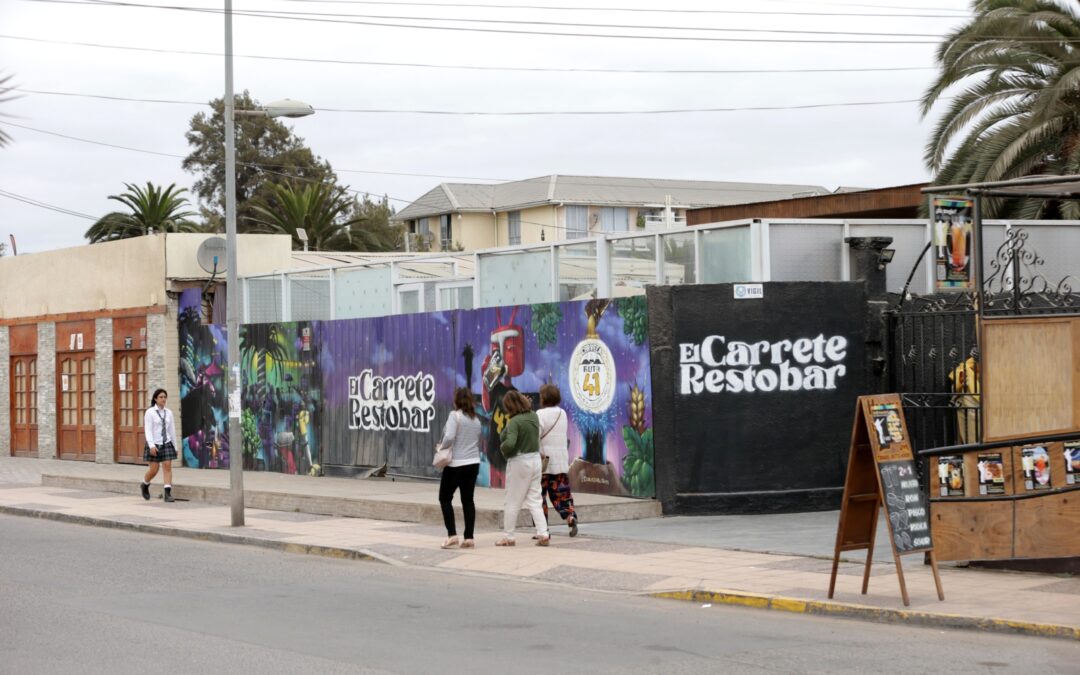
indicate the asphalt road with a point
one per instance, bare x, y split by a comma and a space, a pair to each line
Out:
77, 599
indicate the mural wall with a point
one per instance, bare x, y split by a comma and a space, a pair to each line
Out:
204, 429
335, 396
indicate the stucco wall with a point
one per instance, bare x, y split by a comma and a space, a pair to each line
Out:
475, 231
256, 254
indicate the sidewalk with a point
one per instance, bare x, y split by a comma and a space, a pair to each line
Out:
999, 601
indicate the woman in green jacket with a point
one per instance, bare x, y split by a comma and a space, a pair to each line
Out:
520, 445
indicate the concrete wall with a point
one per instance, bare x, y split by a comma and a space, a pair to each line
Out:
46, 394
5, 392
256, 254
104, 428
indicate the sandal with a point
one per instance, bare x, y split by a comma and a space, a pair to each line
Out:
543, 541
451, 542
505, 542
468, 543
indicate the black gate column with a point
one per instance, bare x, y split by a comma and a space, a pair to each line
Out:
868, 264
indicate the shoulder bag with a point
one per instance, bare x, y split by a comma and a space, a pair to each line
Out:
443, 456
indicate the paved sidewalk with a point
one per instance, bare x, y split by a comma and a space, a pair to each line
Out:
1001, 601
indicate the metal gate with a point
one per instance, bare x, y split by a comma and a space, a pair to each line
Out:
934, 362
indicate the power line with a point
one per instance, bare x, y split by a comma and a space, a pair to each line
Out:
44, 205
561, 24
649, 10
503, 113
402, 64
504, 31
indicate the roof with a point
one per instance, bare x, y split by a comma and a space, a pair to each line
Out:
1048, 187
594, 191
901, 201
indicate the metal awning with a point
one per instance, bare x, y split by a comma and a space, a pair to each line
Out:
1044, 187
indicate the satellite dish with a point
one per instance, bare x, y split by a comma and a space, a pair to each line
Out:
211, 255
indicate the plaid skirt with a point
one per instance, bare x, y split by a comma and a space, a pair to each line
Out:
165, 453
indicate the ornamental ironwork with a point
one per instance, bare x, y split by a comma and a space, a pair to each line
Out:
1016, 284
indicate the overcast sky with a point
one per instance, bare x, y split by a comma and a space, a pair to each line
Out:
867, 146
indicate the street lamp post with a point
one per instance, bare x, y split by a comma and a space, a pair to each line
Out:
284, 108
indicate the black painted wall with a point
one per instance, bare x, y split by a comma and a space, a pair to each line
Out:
751, 440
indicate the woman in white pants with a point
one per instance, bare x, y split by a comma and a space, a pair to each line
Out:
520, 445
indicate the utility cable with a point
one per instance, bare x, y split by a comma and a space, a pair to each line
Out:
404, 64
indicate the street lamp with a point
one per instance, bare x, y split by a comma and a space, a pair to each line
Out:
283, 108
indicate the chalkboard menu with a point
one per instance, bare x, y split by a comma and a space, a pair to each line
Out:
905, 502
881, 473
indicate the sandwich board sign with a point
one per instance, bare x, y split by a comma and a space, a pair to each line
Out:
881, 472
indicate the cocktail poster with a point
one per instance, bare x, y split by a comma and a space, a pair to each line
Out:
991, 474
1035, 461
1072, 462
951, 476
952, 221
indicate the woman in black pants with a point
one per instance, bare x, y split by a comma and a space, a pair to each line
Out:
462, 435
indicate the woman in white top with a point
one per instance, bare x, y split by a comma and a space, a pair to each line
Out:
462, 435
554, 482
159, 426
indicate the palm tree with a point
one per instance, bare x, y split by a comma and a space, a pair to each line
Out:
153, 209
319, 208
1017, 112
4, 98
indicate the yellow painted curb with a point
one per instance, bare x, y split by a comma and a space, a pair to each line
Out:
876, 614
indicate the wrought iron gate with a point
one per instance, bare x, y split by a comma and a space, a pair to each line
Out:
934, 361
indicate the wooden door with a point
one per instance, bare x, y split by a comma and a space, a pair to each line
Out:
24, 433
75, 405
130, 400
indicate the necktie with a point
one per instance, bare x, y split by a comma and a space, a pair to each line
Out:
164, 438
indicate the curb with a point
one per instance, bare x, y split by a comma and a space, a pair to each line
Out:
876, 614
215, 537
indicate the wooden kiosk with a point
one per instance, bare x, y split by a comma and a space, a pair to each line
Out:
881, 472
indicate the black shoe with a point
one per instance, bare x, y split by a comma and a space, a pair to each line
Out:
573, 527
145, 491
168, 495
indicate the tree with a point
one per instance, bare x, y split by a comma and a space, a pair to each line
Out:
320, 208
153, 209
5, 96
371, 229
267, 154
1017, 112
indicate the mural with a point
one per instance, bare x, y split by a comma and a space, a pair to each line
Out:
332, 396
203, 357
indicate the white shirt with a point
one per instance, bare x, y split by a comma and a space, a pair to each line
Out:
553, 430
462, 434
152, 423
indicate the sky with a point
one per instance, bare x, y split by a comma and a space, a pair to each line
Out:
742, 126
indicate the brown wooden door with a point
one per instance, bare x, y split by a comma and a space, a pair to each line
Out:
24, 433
75, 406
130, 400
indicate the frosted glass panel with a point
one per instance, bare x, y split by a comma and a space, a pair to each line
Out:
515, 278
362, 292
678, 259
909, 241
577, 270
309, 298
725, 256
633, 263
806, 252
265, 302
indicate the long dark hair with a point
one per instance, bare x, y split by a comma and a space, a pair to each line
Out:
153, 399
463, 401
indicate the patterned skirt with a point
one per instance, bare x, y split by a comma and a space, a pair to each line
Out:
165, 453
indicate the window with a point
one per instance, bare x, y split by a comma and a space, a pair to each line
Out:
514, 227
614, 219
422, 226
446, 233
577, 222
455, 297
